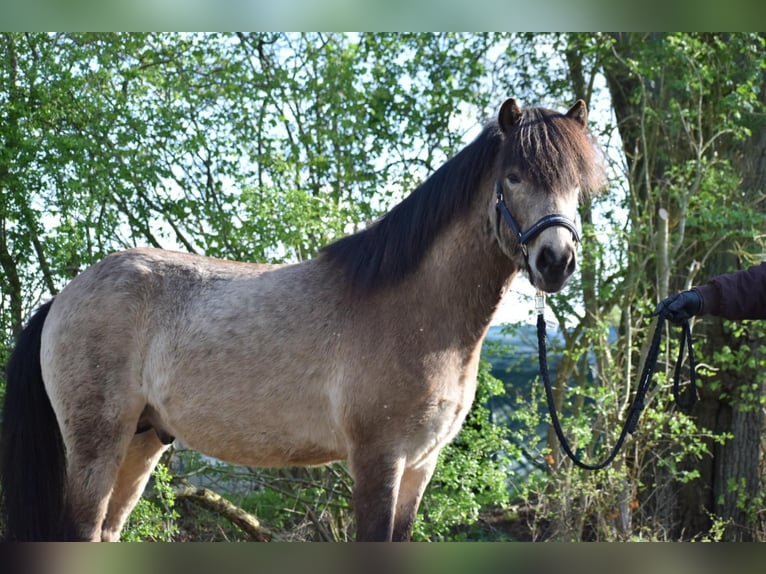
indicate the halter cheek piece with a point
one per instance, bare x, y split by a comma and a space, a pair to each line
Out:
551, 220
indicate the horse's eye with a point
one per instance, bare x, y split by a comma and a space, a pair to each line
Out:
513, 179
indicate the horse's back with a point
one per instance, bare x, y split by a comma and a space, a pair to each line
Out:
128, 295
135, 280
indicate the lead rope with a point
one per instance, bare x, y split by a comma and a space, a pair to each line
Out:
634, 412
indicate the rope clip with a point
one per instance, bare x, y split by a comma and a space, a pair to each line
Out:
540, 302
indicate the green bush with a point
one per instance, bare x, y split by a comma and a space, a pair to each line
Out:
154, 517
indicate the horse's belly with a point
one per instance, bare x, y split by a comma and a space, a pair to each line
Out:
255, 411
272, 443
270, 457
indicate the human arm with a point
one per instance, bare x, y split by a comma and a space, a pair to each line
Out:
739, 295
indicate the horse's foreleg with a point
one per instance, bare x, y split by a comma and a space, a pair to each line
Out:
413, 485
144, 452
376, 487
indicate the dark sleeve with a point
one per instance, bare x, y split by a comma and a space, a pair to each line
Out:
739, 295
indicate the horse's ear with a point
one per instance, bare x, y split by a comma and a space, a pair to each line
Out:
509, 116
579, 113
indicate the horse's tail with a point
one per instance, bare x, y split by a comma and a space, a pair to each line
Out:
32, 456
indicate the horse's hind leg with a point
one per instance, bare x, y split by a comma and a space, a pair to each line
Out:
95, 453
143, 453
92, 466
413, 485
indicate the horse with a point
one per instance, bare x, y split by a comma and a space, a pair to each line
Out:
368, 352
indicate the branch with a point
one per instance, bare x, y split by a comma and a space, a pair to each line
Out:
214, 502
39, 250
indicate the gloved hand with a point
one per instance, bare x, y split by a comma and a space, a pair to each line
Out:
680, 307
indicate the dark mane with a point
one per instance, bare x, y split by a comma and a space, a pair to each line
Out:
392, 247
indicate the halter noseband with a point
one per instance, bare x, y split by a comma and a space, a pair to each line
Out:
543, 223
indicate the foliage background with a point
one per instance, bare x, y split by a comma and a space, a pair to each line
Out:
265, 146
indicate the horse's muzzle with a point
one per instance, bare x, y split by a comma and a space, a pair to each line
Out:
553, 268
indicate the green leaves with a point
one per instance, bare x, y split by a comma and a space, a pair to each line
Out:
154, 517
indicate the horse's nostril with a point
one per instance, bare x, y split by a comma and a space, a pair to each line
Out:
552, 264
546, 261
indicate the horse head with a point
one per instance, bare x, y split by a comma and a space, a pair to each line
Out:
546, 161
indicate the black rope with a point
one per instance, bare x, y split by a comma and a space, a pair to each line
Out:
634, 412
686, 339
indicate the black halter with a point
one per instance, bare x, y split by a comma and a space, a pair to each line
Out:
525, 237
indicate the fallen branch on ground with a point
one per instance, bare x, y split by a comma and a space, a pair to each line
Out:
214, 502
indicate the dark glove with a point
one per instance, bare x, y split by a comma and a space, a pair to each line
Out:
680, 307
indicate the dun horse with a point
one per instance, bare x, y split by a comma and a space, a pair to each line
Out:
368, 352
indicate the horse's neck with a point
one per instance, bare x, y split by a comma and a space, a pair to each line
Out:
462, 280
